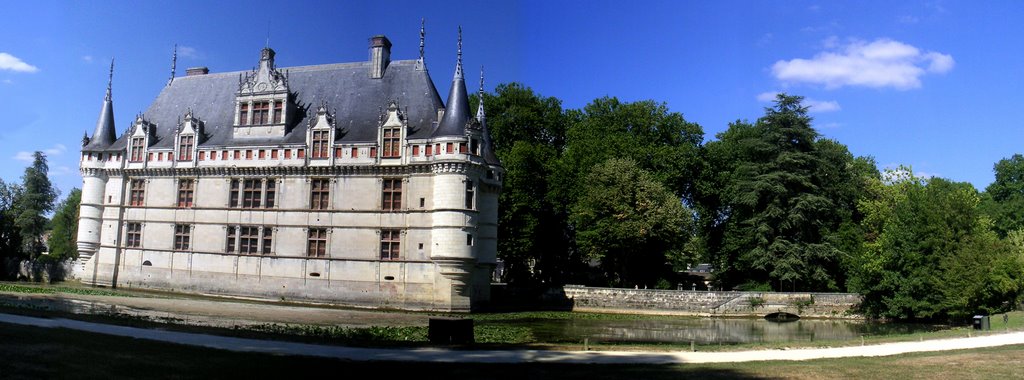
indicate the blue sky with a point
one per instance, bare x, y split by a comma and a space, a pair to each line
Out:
935, 85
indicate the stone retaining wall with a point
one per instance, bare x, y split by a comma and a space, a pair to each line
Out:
711, 303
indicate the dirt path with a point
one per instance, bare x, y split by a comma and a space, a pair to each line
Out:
513, 356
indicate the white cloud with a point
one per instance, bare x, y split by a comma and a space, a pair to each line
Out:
822, 105
24, 156
832, 125
56, 150
7, 81
813, 105
61, 170
10, 62
940, 63
28, 156
767, 96
878, 64
87, 58
188, 52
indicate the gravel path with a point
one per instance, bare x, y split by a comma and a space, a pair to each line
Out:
513, 356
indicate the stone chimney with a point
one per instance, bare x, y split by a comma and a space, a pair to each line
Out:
380, 56
196, 71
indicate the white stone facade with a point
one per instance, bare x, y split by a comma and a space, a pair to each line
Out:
170, 219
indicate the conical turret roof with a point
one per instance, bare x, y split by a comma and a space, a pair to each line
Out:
105, 133
456, 111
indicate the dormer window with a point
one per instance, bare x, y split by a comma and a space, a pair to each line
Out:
262, 100
278, 112
138, 145
392, 142
320, 144
190, 134
392, 125
320, 134
243, 114
260, 113
185, 145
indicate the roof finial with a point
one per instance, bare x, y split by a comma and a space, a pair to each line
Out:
458, 64
174, 64
423, 35
480, 98
110, 79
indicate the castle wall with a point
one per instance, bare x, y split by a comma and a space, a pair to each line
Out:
365, 283
711, 303
429, 249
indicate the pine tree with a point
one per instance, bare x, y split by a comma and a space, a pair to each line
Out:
35, 200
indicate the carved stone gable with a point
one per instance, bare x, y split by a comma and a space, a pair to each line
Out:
264, 79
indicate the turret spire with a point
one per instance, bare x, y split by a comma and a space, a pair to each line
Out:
480, 97
110, 80
456, 112
458, 62
105, 133
423, 35
174, 64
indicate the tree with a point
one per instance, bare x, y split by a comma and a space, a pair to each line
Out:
64, 228
929, 253
1003, 200
528, 133
35, 200
659, 141
772, 199
10, 237
629, 221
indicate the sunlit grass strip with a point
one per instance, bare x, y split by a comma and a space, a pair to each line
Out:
47, 289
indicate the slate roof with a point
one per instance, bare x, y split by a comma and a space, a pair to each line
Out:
347, 88
105, 133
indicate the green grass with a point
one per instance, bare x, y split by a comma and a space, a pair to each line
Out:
54, 289
34, 353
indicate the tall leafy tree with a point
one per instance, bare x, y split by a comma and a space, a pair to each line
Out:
36, 199
64, 228
772, 198
528, 133
629, 222
660, 142
10, 237
1003, 200
929, 253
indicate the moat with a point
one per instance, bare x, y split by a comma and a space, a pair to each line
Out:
711, 330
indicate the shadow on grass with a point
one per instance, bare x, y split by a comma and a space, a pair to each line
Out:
37, 352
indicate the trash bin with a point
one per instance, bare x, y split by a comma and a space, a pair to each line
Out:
442, 330
981, 322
